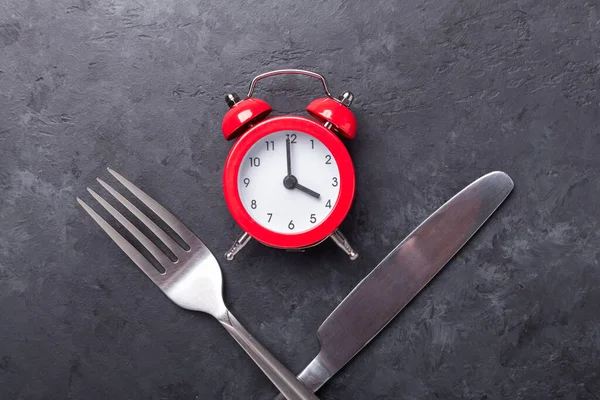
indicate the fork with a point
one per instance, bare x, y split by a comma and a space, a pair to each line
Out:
193, 281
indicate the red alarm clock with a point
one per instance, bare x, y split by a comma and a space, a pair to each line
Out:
289, 180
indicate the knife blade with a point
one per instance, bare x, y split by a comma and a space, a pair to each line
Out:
401, 275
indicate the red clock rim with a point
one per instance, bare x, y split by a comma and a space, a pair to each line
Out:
340, 209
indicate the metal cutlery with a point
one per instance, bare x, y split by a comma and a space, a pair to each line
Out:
193, 281
400, 276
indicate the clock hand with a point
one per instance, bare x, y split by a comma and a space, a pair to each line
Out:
289, 157
291, 182
307, 191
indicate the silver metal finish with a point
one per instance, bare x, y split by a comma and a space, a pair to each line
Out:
379, 297
289, 72
347, 98
239, 244
193, 281
343, 244
232, 99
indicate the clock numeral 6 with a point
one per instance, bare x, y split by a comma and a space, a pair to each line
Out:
335, 182
327, 159
254, 162
253, 204
246, 181
291, 225
313, 218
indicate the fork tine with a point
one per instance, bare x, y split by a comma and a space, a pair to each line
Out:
137, 257
179, 228
147, 243
166, 239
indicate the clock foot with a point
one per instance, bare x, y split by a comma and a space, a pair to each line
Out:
343, 244
239, 244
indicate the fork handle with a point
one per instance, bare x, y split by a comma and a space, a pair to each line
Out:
281, 377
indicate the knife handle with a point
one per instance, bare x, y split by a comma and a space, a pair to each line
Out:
313, 376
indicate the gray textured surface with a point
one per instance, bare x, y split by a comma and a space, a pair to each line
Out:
445, 92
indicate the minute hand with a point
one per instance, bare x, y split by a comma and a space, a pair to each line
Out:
401, 275
288, 156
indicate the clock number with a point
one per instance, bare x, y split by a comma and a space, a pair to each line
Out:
328, 159
270, 145
291, 225
253, 204
246, 181
292, 137
312, 143
328, 204
313, 219
270, 216
254, 162
335, 182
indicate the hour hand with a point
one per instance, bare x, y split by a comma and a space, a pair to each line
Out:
307, 191
290, 182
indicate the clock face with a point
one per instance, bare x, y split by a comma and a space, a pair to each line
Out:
285, 203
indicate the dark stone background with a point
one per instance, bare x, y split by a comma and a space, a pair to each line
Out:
445, 92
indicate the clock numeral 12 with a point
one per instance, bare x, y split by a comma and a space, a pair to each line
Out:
292, 137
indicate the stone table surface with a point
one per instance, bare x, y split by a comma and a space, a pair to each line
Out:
446, 91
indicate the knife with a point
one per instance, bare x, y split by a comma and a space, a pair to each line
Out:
382, 294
